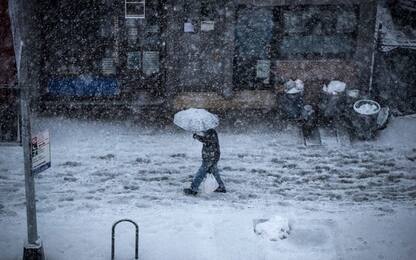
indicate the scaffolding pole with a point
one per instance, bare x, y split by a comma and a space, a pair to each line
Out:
33, 249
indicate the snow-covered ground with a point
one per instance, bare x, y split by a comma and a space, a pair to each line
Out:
342, 202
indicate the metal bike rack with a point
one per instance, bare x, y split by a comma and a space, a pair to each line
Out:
136, 252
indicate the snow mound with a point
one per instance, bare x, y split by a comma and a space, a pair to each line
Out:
334, 87
293, 87
196, 120
273, 229
367, 109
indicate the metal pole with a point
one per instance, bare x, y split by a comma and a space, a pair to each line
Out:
373, 56
29, 180
33, 250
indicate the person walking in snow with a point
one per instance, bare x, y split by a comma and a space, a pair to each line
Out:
210, 157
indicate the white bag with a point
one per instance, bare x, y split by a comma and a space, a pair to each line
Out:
209, 184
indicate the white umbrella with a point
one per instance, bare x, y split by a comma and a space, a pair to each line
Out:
196, 120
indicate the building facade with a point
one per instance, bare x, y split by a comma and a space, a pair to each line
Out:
213, 54
254, 46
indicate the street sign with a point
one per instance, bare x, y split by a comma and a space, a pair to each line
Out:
41, 152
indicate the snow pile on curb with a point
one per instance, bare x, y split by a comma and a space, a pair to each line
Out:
367, 109
273, 229
334, 87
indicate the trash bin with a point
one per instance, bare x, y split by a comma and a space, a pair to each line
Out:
364, 119
333, 100
291, 101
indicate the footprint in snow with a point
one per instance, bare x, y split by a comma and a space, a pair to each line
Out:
143, 160
178, 155
70, 164
106, 157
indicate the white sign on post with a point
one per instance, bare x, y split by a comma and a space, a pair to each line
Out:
207, 26
41, 152
188, 27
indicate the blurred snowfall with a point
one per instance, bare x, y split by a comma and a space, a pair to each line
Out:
343, 202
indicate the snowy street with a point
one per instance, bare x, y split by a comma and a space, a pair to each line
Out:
208, 130
355, 202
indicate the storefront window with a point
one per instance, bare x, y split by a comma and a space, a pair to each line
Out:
254, 32
318, 31
298, 32
253, 38
150, 62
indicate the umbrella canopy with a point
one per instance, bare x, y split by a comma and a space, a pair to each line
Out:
195, 120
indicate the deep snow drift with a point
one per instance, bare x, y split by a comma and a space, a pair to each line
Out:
353, 202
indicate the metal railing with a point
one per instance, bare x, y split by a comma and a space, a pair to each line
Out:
136, 252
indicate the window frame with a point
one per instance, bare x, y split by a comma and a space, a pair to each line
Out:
135, 2
243, 64
281, 33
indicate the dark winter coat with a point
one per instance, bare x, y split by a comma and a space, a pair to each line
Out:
211, 147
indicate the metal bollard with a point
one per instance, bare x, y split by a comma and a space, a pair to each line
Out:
136, 252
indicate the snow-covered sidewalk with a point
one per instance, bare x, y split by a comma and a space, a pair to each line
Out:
342, 202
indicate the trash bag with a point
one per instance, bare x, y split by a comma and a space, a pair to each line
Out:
209, 184
291, 105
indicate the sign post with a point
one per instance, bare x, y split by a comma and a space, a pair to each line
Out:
33, 249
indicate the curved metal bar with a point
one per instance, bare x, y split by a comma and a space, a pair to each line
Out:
113, 229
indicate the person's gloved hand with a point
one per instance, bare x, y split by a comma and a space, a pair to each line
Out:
194, 136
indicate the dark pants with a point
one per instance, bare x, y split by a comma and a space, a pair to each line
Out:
202, 173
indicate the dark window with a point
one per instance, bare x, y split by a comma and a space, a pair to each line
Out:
253, 38
208, 9
327, 31
135, 9
263, 34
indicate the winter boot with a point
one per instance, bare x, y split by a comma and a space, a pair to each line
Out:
221, 190
188, 191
